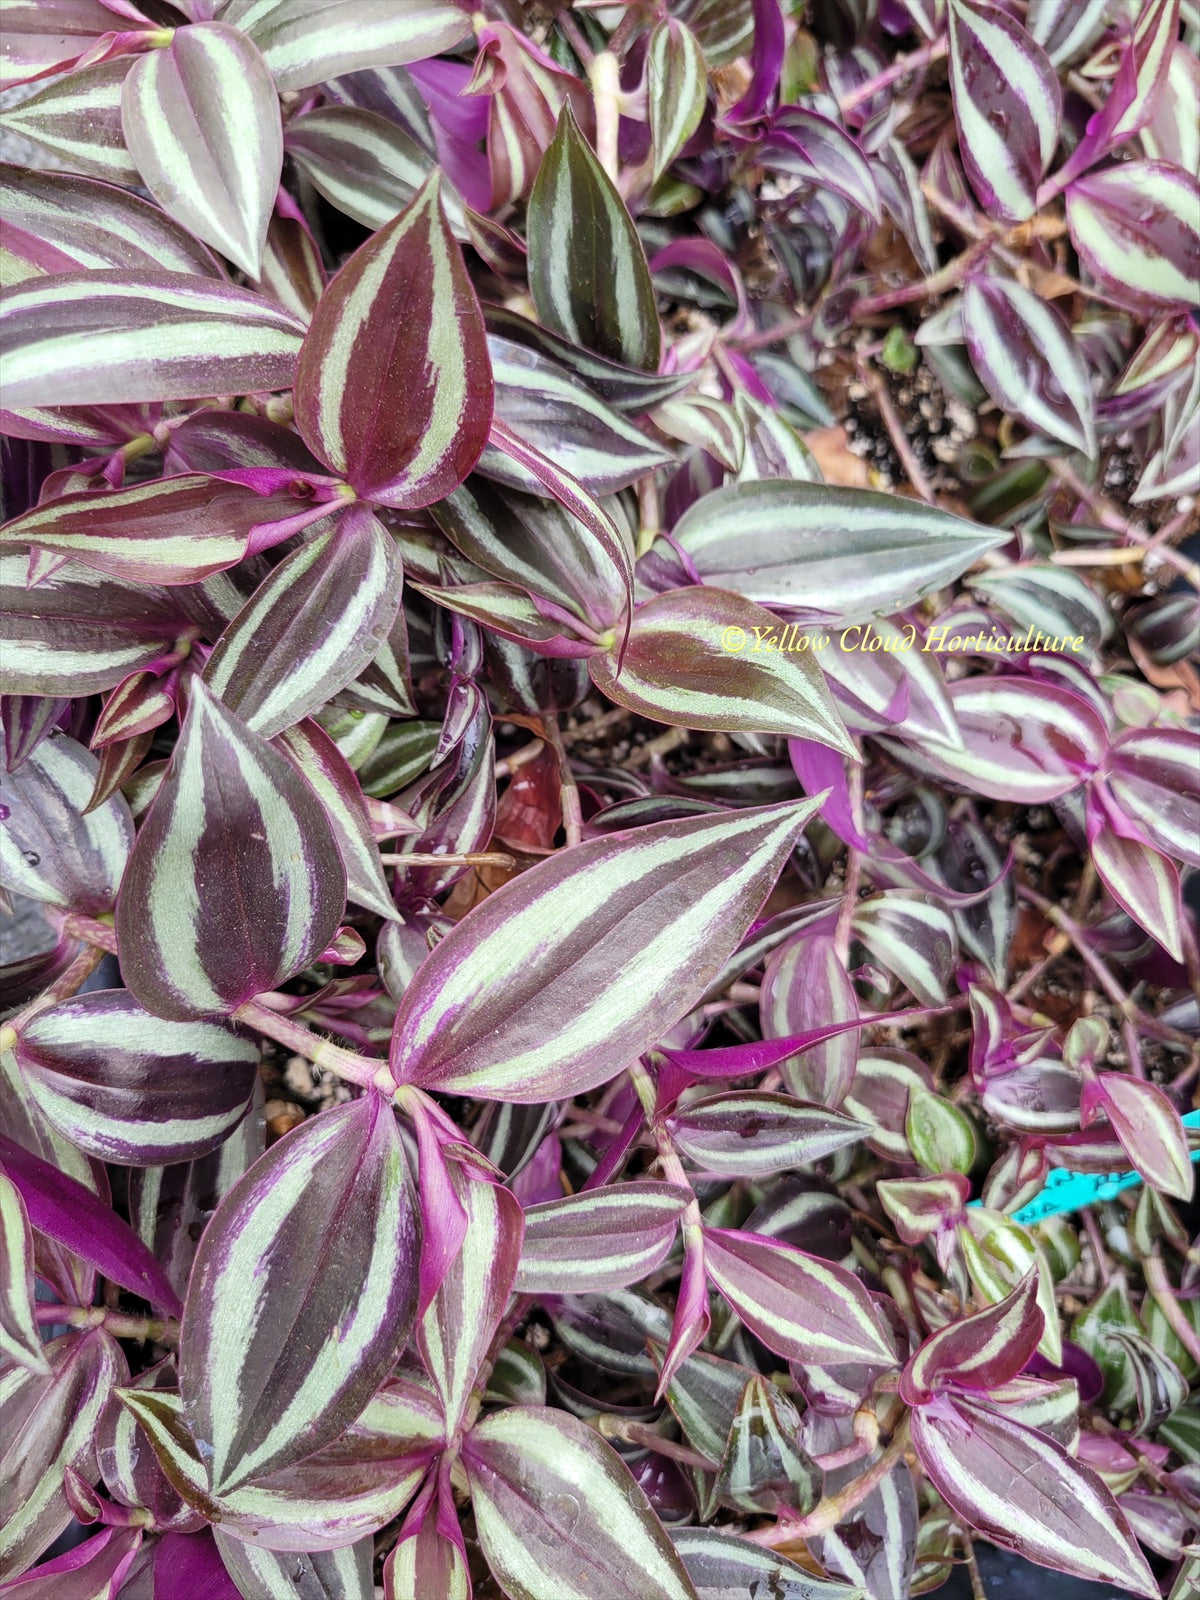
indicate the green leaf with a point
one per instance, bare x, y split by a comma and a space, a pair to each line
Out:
587, 269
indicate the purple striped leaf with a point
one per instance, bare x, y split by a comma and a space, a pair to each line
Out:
1140, 879
978, 1352
1134, 94
762, 1467
1030, 365
333, 1498
201, 121
65, 1211
558, 1512
924, 1208
749, 1135
131, 1473
643, 922
127, 1087
20, 1341
1065, 28
324, 1230
339, 593
804, 145
77, 120
1136, 230
587, 269
551, 410
511, 613
707, 658
526, 91
304, 44
535, 543
1052, 1509
41, 36
826, 553
400, 318
676, 87
313, 753
799, 1306
343, 1574
93, 1570
457, 1329
360, 161
1154, 774
1007, 104
49, 849
138, 705
86, 338
722, 1565
170, 531
235, 882
49, 1425
98, 225
25, 720
625, 388
1023, 740
806, 986
1148, 1126
426, 1565
601, 1239
913, 938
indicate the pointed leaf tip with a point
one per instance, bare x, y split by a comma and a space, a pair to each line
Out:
394, 384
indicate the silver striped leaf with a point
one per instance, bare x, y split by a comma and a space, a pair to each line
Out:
235, 882
1028, 361
313, 753
20, 1341
677, 89
305, 44
748, 1135
426, 1565
332, 1499
130, 1088
344, 1574
723, 1566
701, 657
1052, 1509
322, 1233
399, 321
98, 225
363, 163
798, 1305
166, 532
601, 1239
85, 338
201, 121
1007, 104
77, 118
1136, 230
311, 626
913, 938
49, 1425
642, 922
50, 850
536, 544
550, 409
820, 551
558, 1513
456, 1331
587, 269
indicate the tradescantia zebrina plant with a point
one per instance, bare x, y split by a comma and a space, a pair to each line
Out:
599, 730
